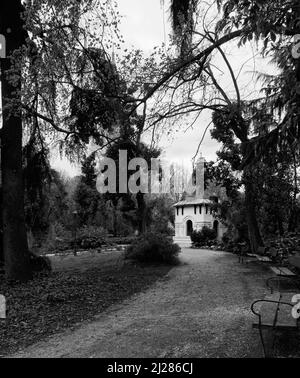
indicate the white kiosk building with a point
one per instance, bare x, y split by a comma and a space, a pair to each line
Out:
197, 209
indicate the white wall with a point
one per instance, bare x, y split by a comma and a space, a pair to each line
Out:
199, 220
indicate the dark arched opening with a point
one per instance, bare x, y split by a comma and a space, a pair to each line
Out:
189, 228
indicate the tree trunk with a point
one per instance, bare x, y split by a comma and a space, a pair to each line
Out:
141, 212
115, 222
1, 229
280, 223
294, 216
253, 229
15, 248
293, 219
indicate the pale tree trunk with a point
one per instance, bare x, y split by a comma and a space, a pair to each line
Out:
15, 248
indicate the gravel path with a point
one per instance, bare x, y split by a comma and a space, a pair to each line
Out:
201, 309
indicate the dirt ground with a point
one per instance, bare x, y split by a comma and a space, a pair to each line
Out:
201, 309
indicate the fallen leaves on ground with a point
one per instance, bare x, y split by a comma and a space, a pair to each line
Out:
60, 300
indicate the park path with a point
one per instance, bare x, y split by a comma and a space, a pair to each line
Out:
200, 309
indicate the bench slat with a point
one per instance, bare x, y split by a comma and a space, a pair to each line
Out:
286, 271
275, 270
282, 271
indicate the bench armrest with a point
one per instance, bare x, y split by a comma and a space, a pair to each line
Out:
267, 301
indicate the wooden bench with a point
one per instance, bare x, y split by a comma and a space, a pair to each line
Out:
282, 271
263, 258
274, 312
259, 257
268, 256
284, 274
243, 253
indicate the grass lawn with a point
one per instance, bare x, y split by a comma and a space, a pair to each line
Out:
79, 288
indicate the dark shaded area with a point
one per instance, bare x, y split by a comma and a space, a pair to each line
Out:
60, 300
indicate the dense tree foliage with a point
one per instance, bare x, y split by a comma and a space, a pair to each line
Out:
63, 85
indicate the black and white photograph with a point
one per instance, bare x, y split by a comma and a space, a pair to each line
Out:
150, 182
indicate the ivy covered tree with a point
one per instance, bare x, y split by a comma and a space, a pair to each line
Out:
47, 54
15, 247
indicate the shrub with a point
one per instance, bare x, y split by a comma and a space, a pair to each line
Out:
154, 248
204, 237
90, 237
87, 237
58, 239
225, 239
163, 228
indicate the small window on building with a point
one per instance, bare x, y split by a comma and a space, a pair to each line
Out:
177, 209
195, 209
182, 210
211, 210
200, 209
